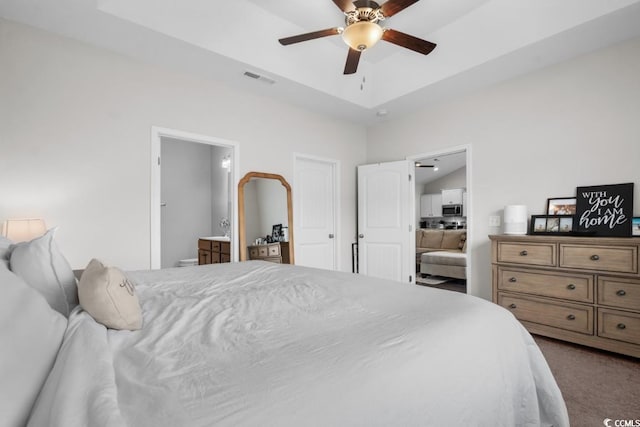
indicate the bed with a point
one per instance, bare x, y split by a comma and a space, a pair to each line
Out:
256, 343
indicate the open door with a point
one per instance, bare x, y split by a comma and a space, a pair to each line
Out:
386, 239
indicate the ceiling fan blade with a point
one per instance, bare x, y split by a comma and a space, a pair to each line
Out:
410, 42
309, 36
345, 5
353, 58
392, 7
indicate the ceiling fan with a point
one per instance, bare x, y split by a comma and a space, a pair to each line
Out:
363, 30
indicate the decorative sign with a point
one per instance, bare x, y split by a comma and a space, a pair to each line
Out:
605, 210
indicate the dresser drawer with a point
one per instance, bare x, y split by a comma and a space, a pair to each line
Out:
542, 254
619, 259
575, 287
205, 245
571, 317
253, 252
619, 325
204, 257
273, 250
225, 258
619, 292
225, 247
274, 259
215, 246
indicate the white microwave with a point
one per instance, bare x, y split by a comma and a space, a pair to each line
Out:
452, 210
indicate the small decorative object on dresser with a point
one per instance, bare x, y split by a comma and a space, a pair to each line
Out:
635, 227
606, 210
584, 290
561, 206
551, 224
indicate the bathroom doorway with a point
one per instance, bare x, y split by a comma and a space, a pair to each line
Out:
193, 195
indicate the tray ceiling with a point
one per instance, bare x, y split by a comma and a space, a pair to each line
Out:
480, 42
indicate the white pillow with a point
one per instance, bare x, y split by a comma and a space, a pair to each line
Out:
30, 336
41, 264
109, 297
4, 251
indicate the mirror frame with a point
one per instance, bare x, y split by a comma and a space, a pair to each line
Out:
241, 216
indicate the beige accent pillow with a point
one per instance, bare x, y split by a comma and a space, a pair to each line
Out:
431, 239
109, 297
463, 241
451, 239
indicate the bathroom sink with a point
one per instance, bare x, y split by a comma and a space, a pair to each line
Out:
219, 238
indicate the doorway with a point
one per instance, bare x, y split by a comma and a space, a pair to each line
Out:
192, 194
443, 202
315, 211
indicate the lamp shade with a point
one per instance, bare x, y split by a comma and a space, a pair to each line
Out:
22, 230
362, 35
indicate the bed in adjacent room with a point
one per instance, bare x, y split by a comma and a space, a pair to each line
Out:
255, 343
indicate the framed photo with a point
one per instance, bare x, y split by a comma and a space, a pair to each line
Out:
561, 206
538, 224
276, 233
566, 224
635, 226
552, 224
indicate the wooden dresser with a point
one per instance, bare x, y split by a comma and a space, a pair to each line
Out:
213, 251
272, 252
584, 290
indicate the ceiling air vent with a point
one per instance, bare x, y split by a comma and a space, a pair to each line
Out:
263, 79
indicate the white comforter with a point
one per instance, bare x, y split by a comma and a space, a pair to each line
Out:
255, 344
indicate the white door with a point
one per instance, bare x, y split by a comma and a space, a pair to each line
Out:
386, 201
314, 195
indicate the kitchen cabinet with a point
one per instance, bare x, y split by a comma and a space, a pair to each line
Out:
430, 205
452, 196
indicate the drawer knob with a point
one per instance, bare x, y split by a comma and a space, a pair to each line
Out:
571, 317
513, 279
523, 253
621, 293
595, 257
512, 306
621, 326
571, 286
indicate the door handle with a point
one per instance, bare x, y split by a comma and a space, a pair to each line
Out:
361, 236
331, 236
163, 204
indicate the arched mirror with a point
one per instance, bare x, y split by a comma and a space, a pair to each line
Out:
265, 218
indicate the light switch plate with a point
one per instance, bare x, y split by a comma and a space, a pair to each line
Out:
494, 221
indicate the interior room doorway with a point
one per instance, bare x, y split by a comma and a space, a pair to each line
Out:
315, 211
443, 202
193, 194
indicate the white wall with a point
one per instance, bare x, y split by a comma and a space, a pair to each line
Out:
187, 191
75, 132
455, 179
220, 190
537, 136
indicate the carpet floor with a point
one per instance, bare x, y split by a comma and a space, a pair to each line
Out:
448, 283
595, 384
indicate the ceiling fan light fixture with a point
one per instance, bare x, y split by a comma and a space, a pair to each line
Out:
362, 35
